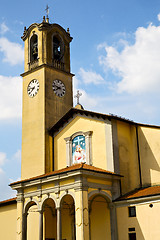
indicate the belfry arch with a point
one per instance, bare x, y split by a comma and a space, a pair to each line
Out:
34, 48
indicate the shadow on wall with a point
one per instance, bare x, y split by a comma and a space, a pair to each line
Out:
128, 227
149, 148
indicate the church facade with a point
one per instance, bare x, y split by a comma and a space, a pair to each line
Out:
84, 175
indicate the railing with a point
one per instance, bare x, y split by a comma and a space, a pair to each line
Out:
33, 64
57, 64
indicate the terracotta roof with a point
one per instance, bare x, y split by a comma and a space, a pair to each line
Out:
69, 169
8, 201
139, 193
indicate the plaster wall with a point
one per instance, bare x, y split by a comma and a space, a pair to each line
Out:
100, 220
33, 128
33, 229
149, 145
128, 156
8, 217
98, 141
146, 227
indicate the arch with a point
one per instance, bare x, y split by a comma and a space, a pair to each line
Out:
65, 194
50, 217
67, 206
100, 193
58, 47
88, 147
33, 47
49, 197
30, 203
99, 215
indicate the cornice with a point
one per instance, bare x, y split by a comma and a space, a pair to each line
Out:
45, 66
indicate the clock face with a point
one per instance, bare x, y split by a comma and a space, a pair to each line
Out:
59, 88
33, 88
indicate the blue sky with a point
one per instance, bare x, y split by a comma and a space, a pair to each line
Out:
115, 56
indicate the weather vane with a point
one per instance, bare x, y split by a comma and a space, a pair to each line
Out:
47, 11
78, 95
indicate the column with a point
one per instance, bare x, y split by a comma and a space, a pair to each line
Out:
81, 215
68, 150
19, 219
88, 136
113, 217
24, 226
41, 225
58, 223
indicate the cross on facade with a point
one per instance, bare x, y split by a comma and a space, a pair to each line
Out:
78, 95
47, 10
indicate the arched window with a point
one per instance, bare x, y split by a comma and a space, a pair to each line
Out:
34, 48
58, 48
78, 149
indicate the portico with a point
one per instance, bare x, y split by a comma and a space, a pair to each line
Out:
59, 205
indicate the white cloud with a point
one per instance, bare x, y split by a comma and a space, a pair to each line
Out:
17, 155
89, 77
10, 97
158, 16
13, 52
137, 65
3, 28
3, 158
12, 166
86, 100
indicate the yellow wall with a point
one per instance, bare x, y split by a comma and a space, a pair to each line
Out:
149, 145
128, 157
146, 222
33, 223
100, 220
33, 128
98, 141
8, 217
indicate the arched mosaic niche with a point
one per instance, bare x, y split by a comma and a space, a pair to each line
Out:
78, 148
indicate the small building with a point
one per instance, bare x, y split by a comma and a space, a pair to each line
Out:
84, 175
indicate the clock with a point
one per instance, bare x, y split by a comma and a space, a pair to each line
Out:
33, 88
59, 88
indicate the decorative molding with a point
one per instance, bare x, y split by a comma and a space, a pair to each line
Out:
100, 193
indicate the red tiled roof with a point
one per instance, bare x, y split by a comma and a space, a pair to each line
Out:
143, 192
8, 201
69, 169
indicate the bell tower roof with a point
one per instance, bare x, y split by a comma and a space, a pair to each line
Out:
47, 43
46, 26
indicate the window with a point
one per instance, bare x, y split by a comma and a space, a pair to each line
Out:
34, 48
78, 149
57, 48
132, 236
132, 211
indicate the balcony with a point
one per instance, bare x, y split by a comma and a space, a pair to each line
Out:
33, 64
57, 64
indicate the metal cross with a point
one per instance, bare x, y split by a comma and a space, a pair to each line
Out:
47, 10
78, 95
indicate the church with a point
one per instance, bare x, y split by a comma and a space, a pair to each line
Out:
84, 175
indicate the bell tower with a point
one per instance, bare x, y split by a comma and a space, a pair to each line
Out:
47, 92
